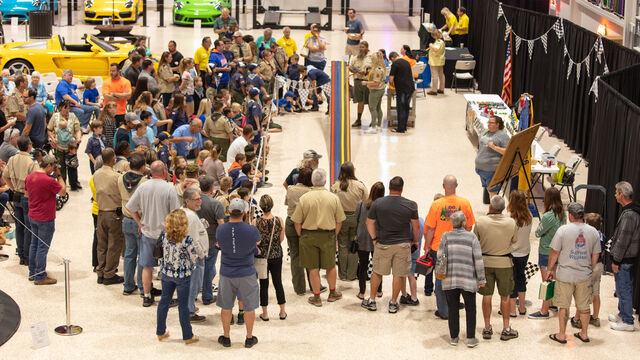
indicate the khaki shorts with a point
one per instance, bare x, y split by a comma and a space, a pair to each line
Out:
580, 291
318, 249
595, 279
352, 50
360, 92
396, 257
502, 276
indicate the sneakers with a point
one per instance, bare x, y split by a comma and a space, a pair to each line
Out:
454, 341
441, 316
393, 307
369, 304
356, 124
538, 315
508, 334
594, 321
241, 318
173, 303
614, 318
147, 301
315, 300
156, 292
471, 343
193, 339
45, 281
195, 318
209, 302
576, 323
224, 341
371, 130
116, 279
487, 333
250, 342
406, 300
334, 296
621, 326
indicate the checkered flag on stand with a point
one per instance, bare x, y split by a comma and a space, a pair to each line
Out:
370, 267
530, 270
608, 245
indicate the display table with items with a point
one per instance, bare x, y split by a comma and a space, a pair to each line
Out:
392, 113
451, 56
481, 106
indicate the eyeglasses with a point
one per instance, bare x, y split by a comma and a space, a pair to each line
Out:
196, 199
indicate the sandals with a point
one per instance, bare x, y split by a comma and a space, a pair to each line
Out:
283, 318
379, 294
500, 313
554, 338
263, 319
360, 298
581, 338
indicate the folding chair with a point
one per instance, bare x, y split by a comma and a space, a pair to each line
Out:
463, 71
418, 69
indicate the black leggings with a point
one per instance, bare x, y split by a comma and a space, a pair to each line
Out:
274, 267
363, 266
453, 300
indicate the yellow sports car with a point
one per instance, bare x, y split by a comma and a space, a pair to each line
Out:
89, 59
125, 10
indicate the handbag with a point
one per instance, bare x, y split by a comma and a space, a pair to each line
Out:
261, 263
441, 264
157, 248
546, 290
304, 52
424, 265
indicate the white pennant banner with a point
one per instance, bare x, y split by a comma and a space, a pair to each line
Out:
569, 69
500, 12
606, 68
543, 38
586, 65
506, 32
559, 29
530, 44
578, 72
600, 49
566, 53
594, 88
518, 40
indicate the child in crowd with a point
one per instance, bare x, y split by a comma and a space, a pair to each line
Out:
236, 166
180, 162
238, 84
207, 145
222, 195
165, 153
187, 85
202, 156
95, 144
178, 112
91, 96
254, 79
198, 92
71, 160
179, 176
236, 116
140, 138
286, 105
63, 132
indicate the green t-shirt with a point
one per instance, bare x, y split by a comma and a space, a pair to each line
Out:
549, 224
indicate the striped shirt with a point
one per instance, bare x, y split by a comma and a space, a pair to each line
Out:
465, 268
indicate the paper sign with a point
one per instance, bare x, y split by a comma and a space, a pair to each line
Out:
14, 21
39, 335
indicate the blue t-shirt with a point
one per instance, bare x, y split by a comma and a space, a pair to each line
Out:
255, 80
354, 27
319, 76
65, 88
95, 145
91, 95
218, 60
237, 242
183, 148
154, 120
254, 109
122, 135
292, 72
179, 118
37, 116
283, 103
237, 81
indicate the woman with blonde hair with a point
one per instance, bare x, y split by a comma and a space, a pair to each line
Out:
187, 86
109, 124
177, 263
143, 102
436, 63
376, 82
204, 110
451, 20
519, 211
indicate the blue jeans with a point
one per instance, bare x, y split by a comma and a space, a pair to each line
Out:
403, 105
196, 285
23, 235
624, 290
40, 247
131, 239
320, 65
441, 298
83, 113
209, 274
428, 284
169, 286
4, 198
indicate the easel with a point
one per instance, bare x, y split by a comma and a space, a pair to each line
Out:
512, 161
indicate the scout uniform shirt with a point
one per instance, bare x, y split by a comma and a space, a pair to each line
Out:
108, 197
19, 166
318, 210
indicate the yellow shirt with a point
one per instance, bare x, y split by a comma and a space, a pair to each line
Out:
289, 45
463, 22
451, 22
94, 207
436, 53
201, 58
307, 36
318, 210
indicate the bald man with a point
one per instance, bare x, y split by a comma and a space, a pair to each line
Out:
191, 138
437, 223
221, 25
149, 206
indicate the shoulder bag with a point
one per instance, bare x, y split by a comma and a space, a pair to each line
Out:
158, 249
261, 263
441, 264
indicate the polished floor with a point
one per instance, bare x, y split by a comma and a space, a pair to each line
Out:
116, 326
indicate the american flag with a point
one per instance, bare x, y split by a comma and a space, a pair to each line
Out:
506, 79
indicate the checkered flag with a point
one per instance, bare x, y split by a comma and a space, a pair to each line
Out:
608, 245
370, 268
530, 270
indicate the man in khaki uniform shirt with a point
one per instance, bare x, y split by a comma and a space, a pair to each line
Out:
359, 66
496, 232
19, 166
219, 130
294, 193
109, 230
241, 50
317, 219
15, 104
127, 185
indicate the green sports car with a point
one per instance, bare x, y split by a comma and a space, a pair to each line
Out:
186, 11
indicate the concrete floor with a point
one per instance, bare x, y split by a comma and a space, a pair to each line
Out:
116, 326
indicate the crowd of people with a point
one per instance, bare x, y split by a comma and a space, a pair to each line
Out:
178, 152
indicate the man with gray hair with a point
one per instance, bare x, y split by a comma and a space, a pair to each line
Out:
192, 203
496, 232
576, 248
212, 212
66, 90
9, 145
625, 252
317, 220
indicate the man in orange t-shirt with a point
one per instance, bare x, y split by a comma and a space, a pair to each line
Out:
117, 89
437, 223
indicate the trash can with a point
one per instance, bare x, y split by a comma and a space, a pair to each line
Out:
40, 24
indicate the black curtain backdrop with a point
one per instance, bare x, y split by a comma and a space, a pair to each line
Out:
433, 7
562, 104
615, 141
541, 6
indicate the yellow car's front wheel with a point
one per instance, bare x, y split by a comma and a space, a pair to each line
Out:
19, 66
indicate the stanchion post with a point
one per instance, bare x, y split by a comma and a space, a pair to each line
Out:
75, 5
69, 12
238, 11
67, 329
144, 13
410, 7
161, 9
